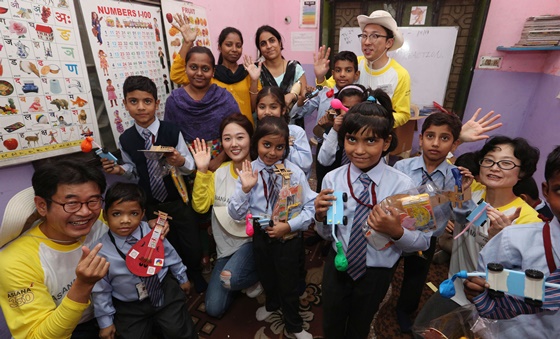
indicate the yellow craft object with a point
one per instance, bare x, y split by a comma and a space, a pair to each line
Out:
180, 184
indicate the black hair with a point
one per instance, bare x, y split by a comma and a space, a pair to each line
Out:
527, 154
49, 176
139, 83
124, 191
552, 166
270, 126
444, 119
201, 50
271, 30
388, 32
277, 93
375, 116
352, 90
223, 35
346, 56
469, 161
527, 186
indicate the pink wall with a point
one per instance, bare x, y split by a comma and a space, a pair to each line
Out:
503, 28
248, 15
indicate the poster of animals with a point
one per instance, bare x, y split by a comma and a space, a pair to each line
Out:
46, 107
126, 39
196, 15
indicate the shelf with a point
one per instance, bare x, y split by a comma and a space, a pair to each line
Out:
528, 48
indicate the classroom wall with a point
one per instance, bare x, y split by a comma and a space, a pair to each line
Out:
524, 89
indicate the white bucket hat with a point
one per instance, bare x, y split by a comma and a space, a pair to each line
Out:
235, 228
20, 207
383, 18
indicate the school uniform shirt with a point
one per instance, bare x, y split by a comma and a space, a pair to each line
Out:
441, 177
255, 202
391, 78
36, 273
388, 181
300, 152
119, 282
467, 247
181, 147
321, 102
327, 153
520, 248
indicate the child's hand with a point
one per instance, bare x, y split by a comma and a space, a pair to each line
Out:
324, 121
108, 332
468, 178
201, 155
164, 230
186, 287
175, 158
338, 122
187, 31
247, 176
253, 70
474, 286
279, 230
450, 226
111, 167
473, 130
321, 63
322, 203
386, 223
499, 221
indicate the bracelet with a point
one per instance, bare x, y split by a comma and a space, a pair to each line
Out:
253, 93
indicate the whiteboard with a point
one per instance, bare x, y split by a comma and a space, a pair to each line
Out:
427, 54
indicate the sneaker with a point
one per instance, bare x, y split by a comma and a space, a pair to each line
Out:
303, 335
262, 313
255, 290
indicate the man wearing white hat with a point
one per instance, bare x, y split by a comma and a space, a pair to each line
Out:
47, 274
377, 70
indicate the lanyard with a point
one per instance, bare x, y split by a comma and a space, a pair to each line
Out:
265, 187
114, 243
373, 195
548, 248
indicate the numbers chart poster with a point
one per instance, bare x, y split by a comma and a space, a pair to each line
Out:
46, 107
126, 39
196, 16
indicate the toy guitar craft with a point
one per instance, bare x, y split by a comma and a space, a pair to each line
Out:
146, 257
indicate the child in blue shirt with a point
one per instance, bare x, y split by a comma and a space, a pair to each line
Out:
121, 300
352, 297
277, 247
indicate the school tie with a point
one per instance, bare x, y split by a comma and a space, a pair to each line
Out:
153, 285
425, 177
154, 171
344, 160
357, 246
272, 189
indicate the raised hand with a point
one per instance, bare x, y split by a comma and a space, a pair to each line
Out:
253, 70
247, 176
201, 155
321, 63
181, 23
91, 267
473, 130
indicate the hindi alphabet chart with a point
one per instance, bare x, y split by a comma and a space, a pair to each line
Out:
126, 39
196, 15
46, 107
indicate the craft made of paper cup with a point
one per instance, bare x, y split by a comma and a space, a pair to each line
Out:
54, 69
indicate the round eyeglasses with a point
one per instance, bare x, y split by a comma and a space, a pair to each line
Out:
75, 206
503, 164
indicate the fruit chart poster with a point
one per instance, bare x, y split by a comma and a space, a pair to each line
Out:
196, 16
46, 107
126, 39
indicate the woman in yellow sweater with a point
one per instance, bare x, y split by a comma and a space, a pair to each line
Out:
242, 81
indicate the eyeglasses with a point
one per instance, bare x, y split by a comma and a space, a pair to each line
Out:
503, 164
373, 36
75, 206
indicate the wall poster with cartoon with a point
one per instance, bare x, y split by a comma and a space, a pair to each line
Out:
126, 39
46, 107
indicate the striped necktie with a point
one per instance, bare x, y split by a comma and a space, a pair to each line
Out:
357, 246
272, 189
154, 170
344, 159
153, 285
425, 177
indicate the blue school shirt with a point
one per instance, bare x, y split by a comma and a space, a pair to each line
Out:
388, 181
442, 177
255, 202
300, 151
119, 282
327, 153
321, 103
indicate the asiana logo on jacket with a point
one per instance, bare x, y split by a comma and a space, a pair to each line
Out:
20, 297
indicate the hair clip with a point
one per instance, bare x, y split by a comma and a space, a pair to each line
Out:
330, 93
371, 98
351, 87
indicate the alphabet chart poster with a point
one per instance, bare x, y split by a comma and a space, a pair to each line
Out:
196, 15
46, 107
126, 39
